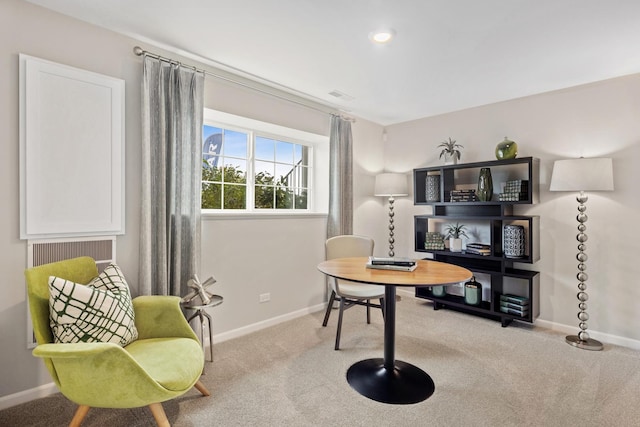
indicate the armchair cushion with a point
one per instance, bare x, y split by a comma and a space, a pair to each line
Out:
100, 311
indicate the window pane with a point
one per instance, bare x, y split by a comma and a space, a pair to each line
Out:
264, 197
284, 198
235, 144
284, 152
264, 172
284, 174
235, 171
235, 196
265, 148
301, 199
212, 144
211, 196
211, 174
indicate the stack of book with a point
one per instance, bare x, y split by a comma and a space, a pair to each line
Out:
478, 249
434, 241
463, 196
514, 304
392, 263
514, 191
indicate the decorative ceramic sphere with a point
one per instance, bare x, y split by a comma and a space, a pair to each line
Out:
582, 286
582, 276
507, 149
582, 296
582, 306
582, 257
583, 336
583, 316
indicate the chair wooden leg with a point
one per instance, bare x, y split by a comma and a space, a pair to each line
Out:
329, 307
158, 413
337, 347
201, 388
81, 412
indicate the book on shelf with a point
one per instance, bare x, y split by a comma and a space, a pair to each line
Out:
478, 245
521, 313
474, 251
515, 299
391, 267
514, 306
397, 261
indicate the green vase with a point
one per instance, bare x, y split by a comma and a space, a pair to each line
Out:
507, 149
485, 185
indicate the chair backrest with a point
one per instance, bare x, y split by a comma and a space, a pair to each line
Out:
348, 246
79, 270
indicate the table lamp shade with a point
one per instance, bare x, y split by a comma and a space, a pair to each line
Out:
582, 175
391, 184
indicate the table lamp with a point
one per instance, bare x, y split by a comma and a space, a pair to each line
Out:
391, 185
582, 175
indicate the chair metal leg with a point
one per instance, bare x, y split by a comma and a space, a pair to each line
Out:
81, 412
368, 311
160, 416
329, 307
382, 307
339, 324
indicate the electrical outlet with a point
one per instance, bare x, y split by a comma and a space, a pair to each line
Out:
265, 297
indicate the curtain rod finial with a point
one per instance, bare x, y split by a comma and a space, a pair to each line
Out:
138, 50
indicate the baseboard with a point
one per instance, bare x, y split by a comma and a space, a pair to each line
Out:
28, 395
224, 336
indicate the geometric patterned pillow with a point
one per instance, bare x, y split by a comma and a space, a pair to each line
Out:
100, 311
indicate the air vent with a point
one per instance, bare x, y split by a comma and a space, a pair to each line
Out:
341, 95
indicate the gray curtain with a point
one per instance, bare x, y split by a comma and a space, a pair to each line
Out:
340, 220
172, 110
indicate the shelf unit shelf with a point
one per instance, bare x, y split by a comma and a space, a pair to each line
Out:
500, 277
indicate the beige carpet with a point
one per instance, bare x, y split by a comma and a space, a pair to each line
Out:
485, 375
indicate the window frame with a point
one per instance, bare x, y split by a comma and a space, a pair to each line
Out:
317, 200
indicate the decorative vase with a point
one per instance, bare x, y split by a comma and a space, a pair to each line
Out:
513, 241
507, 149
438, 291
450, 159
432, 191
472, 292
455, 244
485, 185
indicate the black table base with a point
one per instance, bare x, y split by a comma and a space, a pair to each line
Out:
402, 384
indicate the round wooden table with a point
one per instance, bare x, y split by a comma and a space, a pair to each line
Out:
389, 380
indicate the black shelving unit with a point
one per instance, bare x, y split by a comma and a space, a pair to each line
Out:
499, 271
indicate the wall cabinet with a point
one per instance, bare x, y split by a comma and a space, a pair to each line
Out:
509, 293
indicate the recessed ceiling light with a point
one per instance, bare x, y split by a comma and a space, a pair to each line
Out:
382, 36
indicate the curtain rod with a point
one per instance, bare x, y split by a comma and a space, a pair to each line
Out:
141, 52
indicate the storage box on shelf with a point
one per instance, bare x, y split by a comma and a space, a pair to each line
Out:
515, 182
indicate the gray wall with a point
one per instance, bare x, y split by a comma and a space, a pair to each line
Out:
288, 249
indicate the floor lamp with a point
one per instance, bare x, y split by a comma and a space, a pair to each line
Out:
391, 185
582, 175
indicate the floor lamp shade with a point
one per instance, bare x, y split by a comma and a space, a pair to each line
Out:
390, 185
582, 175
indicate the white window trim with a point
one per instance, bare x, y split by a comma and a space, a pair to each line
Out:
319, 181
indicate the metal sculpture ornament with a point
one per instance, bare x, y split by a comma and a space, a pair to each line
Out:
199, 290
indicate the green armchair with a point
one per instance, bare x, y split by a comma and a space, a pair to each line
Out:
164, 362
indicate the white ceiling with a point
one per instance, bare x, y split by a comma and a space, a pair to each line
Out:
448, 54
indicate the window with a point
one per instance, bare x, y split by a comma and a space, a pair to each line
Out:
251, 166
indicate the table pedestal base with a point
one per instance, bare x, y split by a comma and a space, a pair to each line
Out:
404, 384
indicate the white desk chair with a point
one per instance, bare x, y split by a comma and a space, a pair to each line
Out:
346, 292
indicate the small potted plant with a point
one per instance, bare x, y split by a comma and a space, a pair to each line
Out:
450, 151
455, 233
